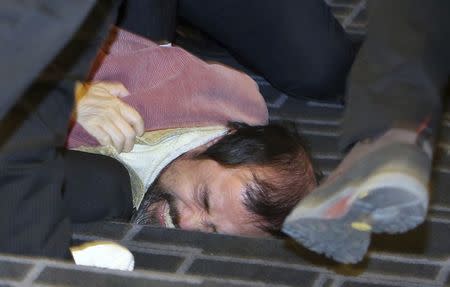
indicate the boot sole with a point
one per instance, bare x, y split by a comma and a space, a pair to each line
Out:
387, 200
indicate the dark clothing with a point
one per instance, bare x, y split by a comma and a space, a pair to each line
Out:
26, 26
400, 72
34, 217
298, 46
96, 187
152, 19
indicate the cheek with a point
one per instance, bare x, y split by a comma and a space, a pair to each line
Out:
177, 188
182, 197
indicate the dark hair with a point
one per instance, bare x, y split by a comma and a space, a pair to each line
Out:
281, 167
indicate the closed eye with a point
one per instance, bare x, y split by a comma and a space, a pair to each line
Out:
205, 198
204, 193
201, 196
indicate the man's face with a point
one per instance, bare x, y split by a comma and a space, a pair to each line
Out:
203, 195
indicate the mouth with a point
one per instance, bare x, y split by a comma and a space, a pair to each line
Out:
164, 215
160, 212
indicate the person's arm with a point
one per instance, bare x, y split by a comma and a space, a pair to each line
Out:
99, 110
43, 33
35, 110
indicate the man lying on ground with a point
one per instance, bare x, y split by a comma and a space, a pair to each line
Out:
189, 167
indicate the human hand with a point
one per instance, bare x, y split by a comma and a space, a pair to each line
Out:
103, 115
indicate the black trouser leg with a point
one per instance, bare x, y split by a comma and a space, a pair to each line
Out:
399, 73
297, 45
96, 187
154, 19
34, 219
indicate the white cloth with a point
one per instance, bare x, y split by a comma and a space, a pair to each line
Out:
147, 160
103, 254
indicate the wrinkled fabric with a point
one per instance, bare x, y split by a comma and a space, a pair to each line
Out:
171, 88
154, 150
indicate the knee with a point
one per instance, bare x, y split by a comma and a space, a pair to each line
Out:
96, 187
322, 75
318, 56
118, 196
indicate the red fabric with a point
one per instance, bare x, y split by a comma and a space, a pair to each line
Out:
171, 88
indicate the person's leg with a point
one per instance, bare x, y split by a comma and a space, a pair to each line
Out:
393, 108
96, 188
153, 19
399, 74
33, 217
298, 46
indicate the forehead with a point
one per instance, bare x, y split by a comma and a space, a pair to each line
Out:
226, 187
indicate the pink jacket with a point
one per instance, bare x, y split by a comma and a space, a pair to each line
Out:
171, 88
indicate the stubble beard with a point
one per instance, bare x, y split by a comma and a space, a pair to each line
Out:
149, 211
